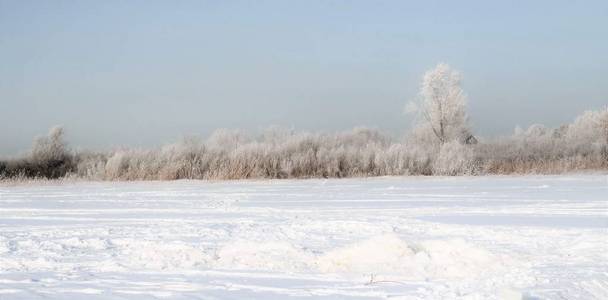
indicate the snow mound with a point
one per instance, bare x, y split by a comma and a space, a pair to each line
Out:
376, 254
384, 254
160, 255
388, 254
274, 255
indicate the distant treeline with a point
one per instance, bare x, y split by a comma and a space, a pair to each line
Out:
440, 144
279, 153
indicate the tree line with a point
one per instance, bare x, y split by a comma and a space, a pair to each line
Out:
441, 143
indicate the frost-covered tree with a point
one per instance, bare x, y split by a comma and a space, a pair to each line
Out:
590, 127
442, 105
589, 132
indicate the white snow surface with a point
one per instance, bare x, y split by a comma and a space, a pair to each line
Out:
494, 237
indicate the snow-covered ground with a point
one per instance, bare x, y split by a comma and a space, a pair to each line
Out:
532, 237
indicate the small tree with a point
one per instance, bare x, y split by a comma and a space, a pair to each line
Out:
51, 147
50, 157
442, 105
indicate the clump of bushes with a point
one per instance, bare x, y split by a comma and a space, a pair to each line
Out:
280, 153
581, 145
48, 158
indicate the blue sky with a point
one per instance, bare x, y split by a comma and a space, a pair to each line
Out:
142, 73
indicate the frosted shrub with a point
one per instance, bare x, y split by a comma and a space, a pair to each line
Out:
454, 159
50, 147
392, 161
48, 158
91, 165
226, 139
580, 145
590, 128
117, 165
187, 158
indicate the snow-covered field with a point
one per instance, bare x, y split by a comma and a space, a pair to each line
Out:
533, 237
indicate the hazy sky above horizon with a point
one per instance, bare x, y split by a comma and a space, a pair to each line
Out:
141, 73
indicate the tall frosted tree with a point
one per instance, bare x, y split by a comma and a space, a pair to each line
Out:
442, 106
